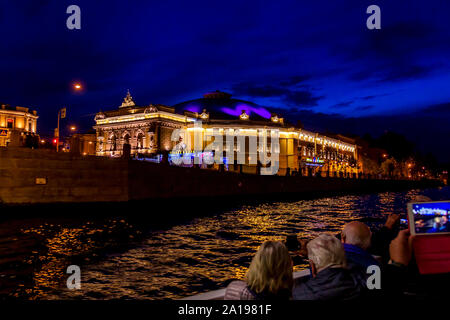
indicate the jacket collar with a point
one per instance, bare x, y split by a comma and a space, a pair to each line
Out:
354, 249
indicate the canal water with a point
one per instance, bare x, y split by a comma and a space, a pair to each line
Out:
129, 257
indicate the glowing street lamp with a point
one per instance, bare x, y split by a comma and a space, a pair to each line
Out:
77, 86
73, 128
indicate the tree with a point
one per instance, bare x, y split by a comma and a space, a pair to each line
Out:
370, 166
396, 145
388, 167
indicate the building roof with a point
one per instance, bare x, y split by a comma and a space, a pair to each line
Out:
214, 107
220, 106
17, 109
135, 110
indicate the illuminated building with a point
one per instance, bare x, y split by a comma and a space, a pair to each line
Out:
15, 122
148, 130
83, 144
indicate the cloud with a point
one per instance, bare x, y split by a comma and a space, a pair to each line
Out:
295, 80
373, 96
264, 91
291, 96
364, 108
395, 53
302, 98
368, 97
438, 109
394, 72
393, 42
343, 104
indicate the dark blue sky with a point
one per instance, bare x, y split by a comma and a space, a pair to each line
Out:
315, 60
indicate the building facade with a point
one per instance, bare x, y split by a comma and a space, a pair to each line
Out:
149, 130
15, 124
83, 144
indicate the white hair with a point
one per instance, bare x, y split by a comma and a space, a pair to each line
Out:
326, 251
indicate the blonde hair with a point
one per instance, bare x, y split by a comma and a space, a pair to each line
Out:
271, 269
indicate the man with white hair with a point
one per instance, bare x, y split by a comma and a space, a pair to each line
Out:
356, 238
331, 280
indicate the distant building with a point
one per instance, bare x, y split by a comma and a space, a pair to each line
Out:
148, 130
15, 123
83, 144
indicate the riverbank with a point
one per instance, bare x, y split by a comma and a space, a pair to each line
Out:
43, 177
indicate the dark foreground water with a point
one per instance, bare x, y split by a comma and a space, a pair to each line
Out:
125, 256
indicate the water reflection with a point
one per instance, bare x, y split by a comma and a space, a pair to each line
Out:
201, 255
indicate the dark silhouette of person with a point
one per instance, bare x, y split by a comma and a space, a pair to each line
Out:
28, 141
35, 141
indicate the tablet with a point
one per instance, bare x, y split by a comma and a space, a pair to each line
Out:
429, 218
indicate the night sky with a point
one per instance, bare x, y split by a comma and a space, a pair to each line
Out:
314, 60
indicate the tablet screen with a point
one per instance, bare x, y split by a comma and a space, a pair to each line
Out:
430, 217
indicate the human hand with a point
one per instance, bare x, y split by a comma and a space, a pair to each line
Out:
392, 220
302, 251
400, 249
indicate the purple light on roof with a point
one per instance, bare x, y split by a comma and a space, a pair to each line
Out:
237, 111
231, 112
193, 108
262, 112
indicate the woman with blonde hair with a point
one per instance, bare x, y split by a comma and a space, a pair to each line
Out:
268, 277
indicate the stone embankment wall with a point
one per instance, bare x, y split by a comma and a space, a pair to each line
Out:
41, 176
